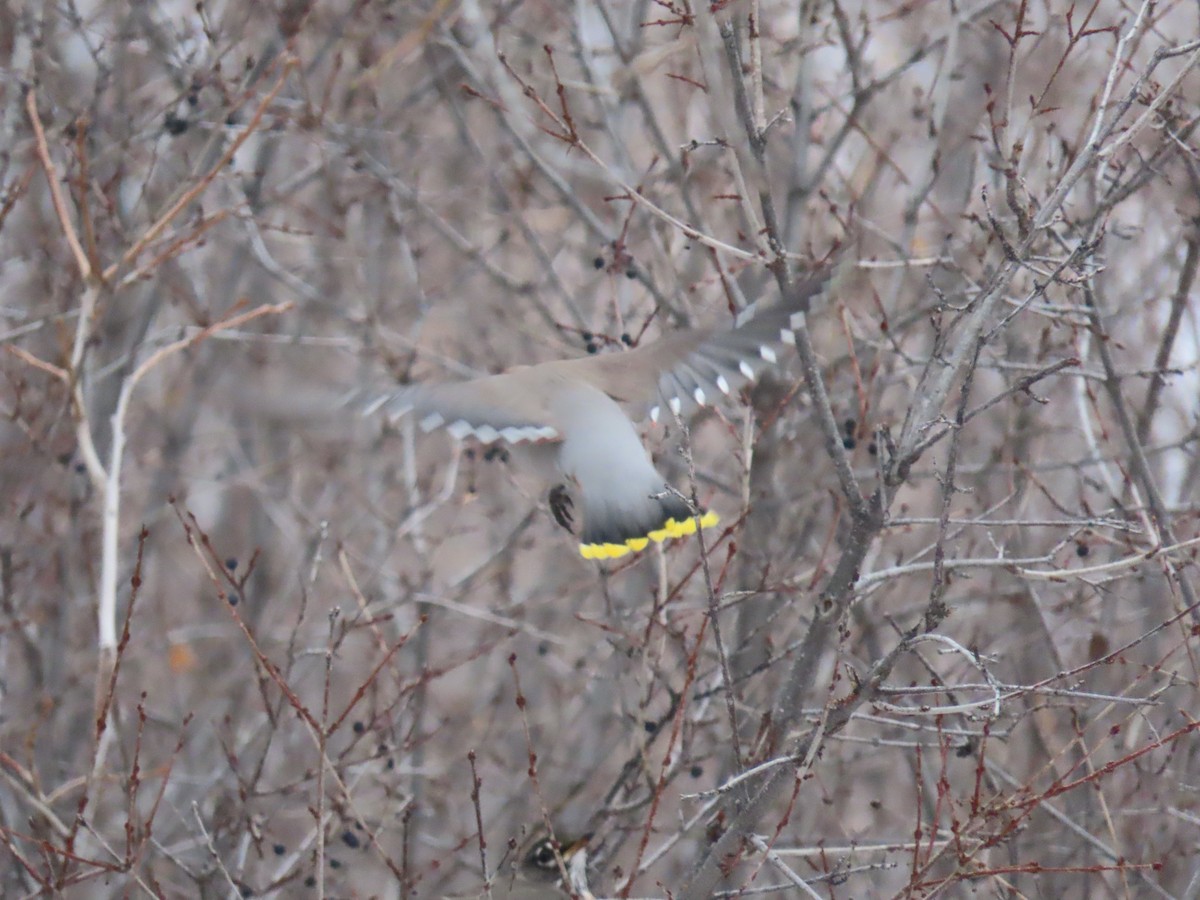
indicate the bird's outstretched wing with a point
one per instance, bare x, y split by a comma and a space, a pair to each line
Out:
507, 407
699, 366
673, 374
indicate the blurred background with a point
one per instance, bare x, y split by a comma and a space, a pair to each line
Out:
255, 644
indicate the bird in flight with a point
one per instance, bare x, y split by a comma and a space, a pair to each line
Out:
574, 419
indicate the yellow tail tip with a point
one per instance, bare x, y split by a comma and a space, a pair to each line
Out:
604, 551
672, 528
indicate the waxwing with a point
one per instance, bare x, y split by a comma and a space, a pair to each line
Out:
577, 417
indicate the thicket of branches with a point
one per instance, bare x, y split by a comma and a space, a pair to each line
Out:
945, 639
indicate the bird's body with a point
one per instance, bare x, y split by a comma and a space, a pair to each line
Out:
541, 872
569, 415
625, 500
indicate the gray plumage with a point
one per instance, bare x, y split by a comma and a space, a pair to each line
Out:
571, 410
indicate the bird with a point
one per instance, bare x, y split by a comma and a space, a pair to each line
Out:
546, 862
575, 417
537, 872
